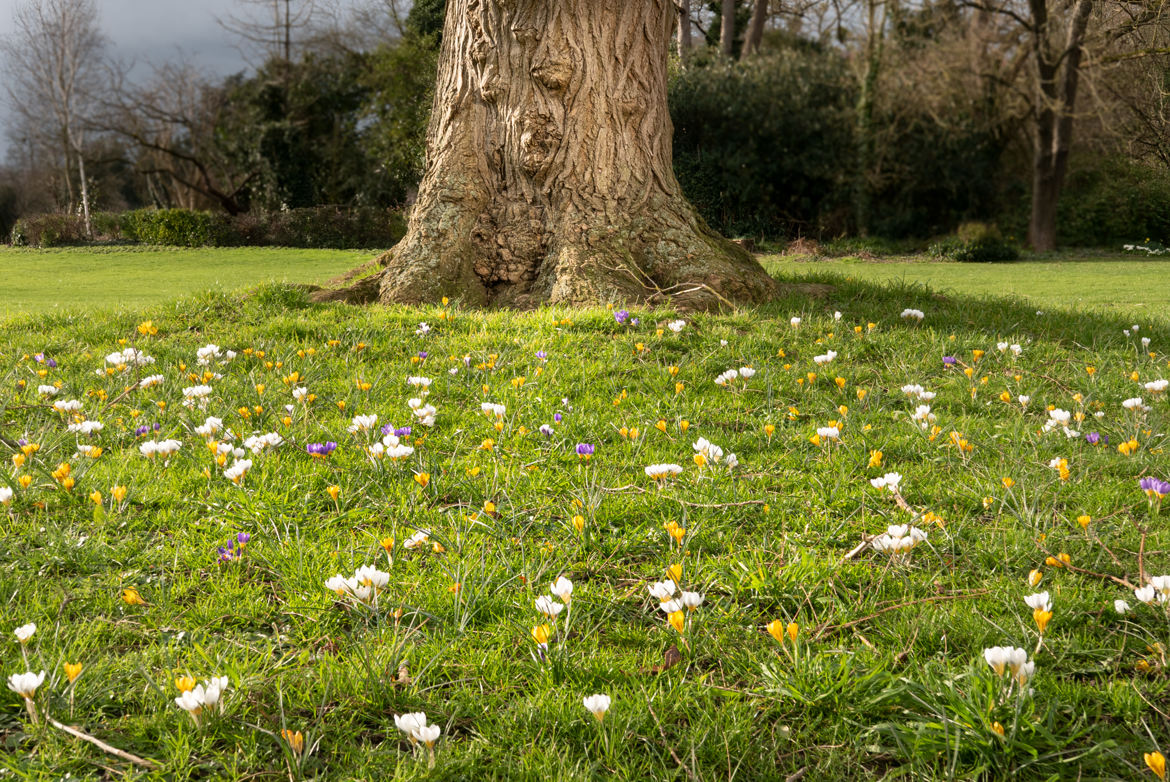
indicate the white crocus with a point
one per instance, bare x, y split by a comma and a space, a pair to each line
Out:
549, 607
562, 588
26, 684
597, 705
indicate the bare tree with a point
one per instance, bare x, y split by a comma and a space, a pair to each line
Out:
1058, 38
274, 28
53, 63
172, 121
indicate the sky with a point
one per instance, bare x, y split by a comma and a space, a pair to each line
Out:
155, 31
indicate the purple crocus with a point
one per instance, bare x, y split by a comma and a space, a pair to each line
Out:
320, 450
234, 550
1154, 488
541, 355
546, 430
422, 354
557, 417
949, 361
1092, 438
403, 431
621, 316
584, 450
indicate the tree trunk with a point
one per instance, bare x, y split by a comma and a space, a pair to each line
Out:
755, 31
1045, 195
684, 31
548, 175
1057, 79
84, 194
727, 29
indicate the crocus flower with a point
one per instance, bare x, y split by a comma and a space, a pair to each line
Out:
584, 450
25, 632
26, 684
562, 588
1154, 488
320, 450
408, 723
426, 734
597, 705
621, 316
949, 361
1156, 762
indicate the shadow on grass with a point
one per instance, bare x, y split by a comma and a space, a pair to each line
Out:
804, 294
1003, 316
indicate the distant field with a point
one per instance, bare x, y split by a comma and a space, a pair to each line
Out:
1113, 283
39, 280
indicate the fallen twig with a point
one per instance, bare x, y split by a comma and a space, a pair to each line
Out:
103, 746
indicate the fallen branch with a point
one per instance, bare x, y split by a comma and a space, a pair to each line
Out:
104, 747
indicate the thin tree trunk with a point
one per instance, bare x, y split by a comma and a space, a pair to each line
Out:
727, 29
755, 32
84, 193
549, 175
684, 31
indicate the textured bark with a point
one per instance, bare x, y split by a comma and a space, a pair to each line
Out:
549, 175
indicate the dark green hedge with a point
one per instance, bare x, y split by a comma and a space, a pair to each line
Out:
318, 227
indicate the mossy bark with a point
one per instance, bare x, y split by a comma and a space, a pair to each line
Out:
548, 174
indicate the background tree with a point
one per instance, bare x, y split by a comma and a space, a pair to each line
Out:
54, 72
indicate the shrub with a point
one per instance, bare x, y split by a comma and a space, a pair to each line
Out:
331, 227
975, 243
761, 147
172, 227
50, 230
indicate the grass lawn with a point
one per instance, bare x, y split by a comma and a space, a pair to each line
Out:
1116, 283
75, 277
838, 628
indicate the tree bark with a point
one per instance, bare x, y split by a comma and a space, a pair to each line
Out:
548, 174
727, 29
755, 31
684, 31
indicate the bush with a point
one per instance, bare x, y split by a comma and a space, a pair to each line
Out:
52, 230
322, 227
1114, 202
762, 147
172, 227
330, 227
975, 243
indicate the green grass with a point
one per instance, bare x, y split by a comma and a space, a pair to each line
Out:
76, 277
886, 677
1121, 284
